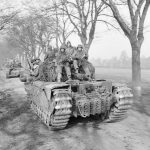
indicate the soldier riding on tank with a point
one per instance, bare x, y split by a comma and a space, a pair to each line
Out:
70, 49
62, 60
79, 59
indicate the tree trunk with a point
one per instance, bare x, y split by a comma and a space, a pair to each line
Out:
64, 39
136, 68
57, 34
85, 44
87, 47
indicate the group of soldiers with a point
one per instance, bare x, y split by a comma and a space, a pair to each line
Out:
66, 54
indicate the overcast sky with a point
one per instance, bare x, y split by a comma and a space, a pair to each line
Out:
106, 44
112, 43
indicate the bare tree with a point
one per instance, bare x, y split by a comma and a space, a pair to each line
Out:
6, 17
32, 34
63, 27
134, 30
83, 15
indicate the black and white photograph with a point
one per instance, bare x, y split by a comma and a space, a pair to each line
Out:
74, 74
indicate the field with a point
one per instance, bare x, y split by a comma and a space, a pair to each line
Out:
120, 74
20, 129
124, 76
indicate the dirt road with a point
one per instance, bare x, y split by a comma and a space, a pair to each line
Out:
20, 129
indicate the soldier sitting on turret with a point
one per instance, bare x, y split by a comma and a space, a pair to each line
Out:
62, 60
80, 59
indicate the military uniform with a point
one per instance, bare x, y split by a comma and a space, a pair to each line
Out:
62, 60
70, 49
79, 59
50, 56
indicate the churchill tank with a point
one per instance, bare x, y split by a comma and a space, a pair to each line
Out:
56, 102
14, 70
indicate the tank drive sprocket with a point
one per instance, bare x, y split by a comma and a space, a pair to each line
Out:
123, 101
62, 109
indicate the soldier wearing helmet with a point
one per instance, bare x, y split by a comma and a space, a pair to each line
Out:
62, 60
80, 59
70, 49
78, 55
49, 56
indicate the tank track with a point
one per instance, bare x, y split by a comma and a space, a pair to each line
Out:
60, 110
122, 103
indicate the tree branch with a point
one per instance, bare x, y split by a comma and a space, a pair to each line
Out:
71, 19
108, 23
130, 9
142, 19
137, 12
88, 11
118, 17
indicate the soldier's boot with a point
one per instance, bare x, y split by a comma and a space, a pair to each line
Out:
59, 77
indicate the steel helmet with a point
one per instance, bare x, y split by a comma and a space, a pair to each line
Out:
63, 46
68, 43
35, 59
79, 46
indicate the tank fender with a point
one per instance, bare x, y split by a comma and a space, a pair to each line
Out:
53, 85
50, 87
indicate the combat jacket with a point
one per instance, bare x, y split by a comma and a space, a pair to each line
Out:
70, 51
50, 56
79, 54
61, 58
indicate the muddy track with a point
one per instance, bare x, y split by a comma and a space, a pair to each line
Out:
21, 129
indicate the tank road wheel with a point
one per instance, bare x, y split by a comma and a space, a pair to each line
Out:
123, 102
62, 110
